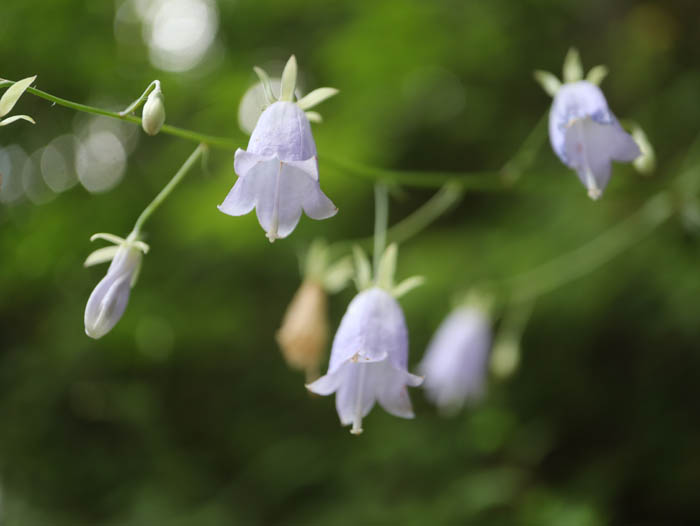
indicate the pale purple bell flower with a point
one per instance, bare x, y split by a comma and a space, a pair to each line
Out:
109, 298
584, 133
369, 360
455, 363
278, 173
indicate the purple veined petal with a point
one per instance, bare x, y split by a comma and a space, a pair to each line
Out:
109, 299
283, 130
590, 147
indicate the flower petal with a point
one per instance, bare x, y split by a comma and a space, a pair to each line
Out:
327, 384
108, 300
573, 102
107, 304
356, 394
589, 148
372, 327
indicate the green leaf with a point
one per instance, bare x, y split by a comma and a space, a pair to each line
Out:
597, 74
101, 255
313, 116
14, 118
387, 267
316, 97
363, 270
646, 162
289, 80
407, 286
573, 70
549, 82
265, 81
13, 93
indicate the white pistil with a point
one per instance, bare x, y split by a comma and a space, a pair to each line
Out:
357, 420
272, 234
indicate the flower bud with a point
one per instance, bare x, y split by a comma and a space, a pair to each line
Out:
153, 112
107, 302
304, 332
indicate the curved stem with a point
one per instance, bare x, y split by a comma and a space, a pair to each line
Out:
219, 142
484, 180
167, 189
155, 84
587, 258
444, 199
381, 220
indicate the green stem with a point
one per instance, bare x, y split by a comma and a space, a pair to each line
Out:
381, 220
485, 180
219, 142
155, 84
587, 258
167, 189
444, 199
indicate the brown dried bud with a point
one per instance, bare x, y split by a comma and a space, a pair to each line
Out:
304, 332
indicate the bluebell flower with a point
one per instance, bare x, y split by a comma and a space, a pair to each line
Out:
584, 133
455, 363
369, 357
278, 173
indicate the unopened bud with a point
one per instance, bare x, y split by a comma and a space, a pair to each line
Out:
304, 332
153, 112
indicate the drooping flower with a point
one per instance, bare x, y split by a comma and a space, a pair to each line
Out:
455, 363
369, 358
304, 332
584, 133
108, 300
278, 173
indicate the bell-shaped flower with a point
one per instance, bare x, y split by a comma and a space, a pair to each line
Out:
108, 300
584, 133
369, 357
278, 173
455, 363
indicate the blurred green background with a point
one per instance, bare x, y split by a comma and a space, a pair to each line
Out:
186, 413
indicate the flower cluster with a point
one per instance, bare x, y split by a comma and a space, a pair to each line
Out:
278, 176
